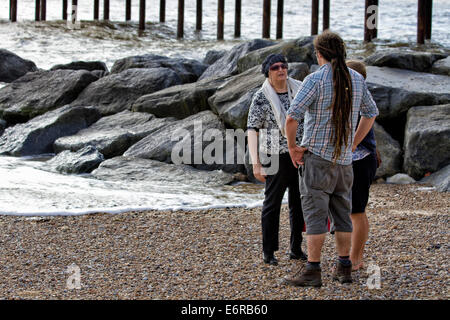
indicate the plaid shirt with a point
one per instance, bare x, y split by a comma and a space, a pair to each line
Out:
313, 101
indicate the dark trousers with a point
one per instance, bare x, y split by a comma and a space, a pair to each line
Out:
276, 185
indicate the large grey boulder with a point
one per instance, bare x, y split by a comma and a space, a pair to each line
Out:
400, 178
113, 135
199, 140
214, 55
118, 91
82, 161
415, 61
442, 67
179, 101
397, 90
390, 152
138, 169
299, 50
82, 65
231, 101
38, 92
439, 179
298, 70
3, 125
187, 70
38, 135
227, 65
13, 67
427, 136
159, 144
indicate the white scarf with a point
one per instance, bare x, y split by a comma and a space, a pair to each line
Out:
280, 113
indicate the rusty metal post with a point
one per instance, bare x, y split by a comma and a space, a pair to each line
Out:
220, 19
162, 11
198, 25
141, 14
105, 9
315, 17
237, 19
326, 15
128, 10
280, 6
266, 19
371, 20
180, 29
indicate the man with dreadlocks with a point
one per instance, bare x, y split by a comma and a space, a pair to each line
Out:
330, 101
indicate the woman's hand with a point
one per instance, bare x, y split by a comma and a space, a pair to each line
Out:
259, 173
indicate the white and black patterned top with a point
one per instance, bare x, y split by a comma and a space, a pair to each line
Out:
261, 116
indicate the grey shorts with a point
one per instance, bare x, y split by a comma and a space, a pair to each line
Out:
326, 191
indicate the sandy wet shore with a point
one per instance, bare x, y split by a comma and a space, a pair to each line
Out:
216, 254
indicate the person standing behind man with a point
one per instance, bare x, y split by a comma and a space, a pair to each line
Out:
365, 162
266, 120
329, 100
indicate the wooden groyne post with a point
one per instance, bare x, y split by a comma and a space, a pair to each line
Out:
266, 19
371, 20
96, 9
162, 11
220, 19
237, 19
280, 7
64, 10
142, 15
198, 24
424, 20
180, 29
13, 10
429, 18
106, 10
326, 15
43, 10
37, 12
315, 17
128, 10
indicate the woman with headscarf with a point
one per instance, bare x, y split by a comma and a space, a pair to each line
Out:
266, 122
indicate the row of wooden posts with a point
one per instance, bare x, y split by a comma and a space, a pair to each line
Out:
423, 25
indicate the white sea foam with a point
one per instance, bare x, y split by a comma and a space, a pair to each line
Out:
26, 189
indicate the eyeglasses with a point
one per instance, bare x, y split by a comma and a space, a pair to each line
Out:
276, 67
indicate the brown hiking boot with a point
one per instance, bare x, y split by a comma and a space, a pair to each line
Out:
343, 274
305, 278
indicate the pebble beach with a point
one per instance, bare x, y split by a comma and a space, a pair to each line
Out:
216, 254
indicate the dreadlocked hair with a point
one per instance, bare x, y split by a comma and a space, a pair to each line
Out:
332, 48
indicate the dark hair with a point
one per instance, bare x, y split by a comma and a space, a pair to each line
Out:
332, 48
270, 60
358, 66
